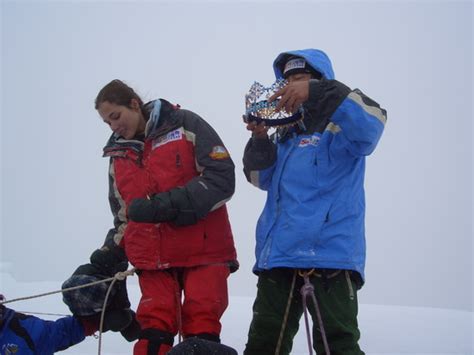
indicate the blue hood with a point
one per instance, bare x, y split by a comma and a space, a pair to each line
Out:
314, 57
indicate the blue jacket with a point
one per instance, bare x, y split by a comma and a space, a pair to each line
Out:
23, 334
314, 175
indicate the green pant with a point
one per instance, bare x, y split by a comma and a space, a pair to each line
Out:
336, 294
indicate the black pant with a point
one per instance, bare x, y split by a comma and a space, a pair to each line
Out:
336, 294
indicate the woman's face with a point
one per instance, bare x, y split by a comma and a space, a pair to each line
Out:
126, 122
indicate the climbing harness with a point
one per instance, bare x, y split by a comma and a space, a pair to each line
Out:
308, 290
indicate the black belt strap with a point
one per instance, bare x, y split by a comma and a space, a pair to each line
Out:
16, 327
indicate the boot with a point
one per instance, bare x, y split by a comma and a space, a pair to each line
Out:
153, 342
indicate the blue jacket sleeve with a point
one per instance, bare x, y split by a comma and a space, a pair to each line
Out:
53, 336
361, 121
26, 334
356, 117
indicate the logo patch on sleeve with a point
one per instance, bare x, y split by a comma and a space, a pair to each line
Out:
313, 140
10, 349
219, 152
169, 137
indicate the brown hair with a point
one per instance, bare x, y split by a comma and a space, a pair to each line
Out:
119, 93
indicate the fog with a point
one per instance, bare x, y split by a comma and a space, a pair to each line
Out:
414, 58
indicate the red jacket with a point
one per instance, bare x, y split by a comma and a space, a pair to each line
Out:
179, 150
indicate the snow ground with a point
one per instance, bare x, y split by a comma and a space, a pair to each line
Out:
386, 329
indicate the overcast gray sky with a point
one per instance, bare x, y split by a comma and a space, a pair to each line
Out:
414, 58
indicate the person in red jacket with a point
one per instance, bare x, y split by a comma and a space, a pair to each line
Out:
170, 176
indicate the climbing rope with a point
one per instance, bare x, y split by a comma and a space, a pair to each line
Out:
119, 276
285, 317
308, 290
43, 314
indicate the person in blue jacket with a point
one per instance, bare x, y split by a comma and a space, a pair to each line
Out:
312, 224
26, 334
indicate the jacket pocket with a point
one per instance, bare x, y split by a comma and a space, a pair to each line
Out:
142, 245
179, 244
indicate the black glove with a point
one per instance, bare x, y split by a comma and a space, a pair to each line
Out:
86, 301
171, 206
116, 320
132, 331
109, 260
154, 210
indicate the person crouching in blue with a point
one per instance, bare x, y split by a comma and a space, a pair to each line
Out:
26, 334
312, 225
